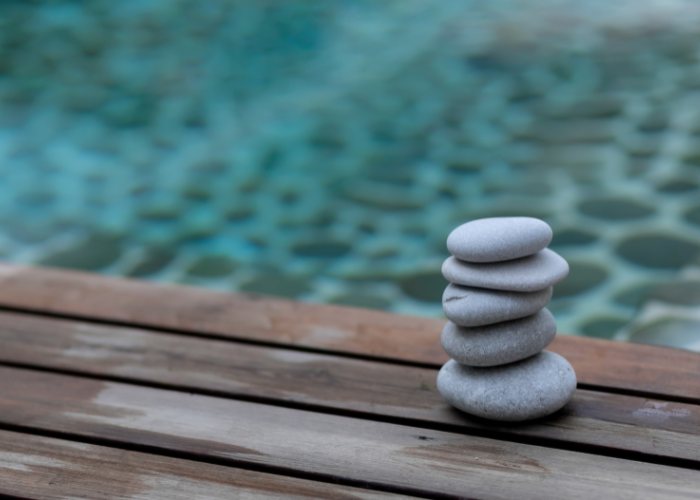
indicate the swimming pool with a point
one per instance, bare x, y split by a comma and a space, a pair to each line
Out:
323, 150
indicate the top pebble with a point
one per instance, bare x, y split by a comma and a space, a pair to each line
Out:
498, 239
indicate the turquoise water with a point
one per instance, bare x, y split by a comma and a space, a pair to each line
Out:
323, 150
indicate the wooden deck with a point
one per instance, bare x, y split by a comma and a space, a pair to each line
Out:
114, 389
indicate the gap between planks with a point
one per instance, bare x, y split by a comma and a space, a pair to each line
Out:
603, 424
425, 462
640, 369
607, 388
487, 430
43, 466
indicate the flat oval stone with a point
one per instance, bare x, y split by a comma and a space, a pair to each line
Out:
498, 239
532, 388
527, 274
467, 306
501, 343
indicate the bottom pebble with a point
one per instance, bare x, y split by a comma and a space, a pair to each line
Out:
524, 390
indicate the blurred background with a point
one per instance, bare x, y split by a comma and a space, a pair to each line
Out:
323, 150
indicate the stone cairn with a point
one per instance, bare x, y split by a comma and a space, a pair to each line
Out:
501, 276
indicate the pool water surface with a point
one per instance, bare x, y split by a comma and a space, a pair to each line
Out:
323, 150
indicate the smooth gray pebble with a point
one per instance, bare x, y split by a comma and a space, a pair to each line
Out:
527, 274
532, 388
467, 306
501, 343
499, 238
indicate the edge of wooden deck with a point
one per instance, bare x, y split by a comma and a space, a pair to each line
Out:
629, 368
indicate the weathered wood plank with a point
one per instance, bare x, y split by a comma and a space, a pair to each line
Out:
43, 468
323, 381
647, 370
380, 454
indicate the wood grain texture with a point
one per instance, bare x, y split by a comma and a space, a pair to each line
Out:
647, 370
321, 381
382, 455
43, 468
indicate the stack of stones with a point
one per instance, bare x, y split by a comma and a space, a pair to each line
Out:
501, 276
